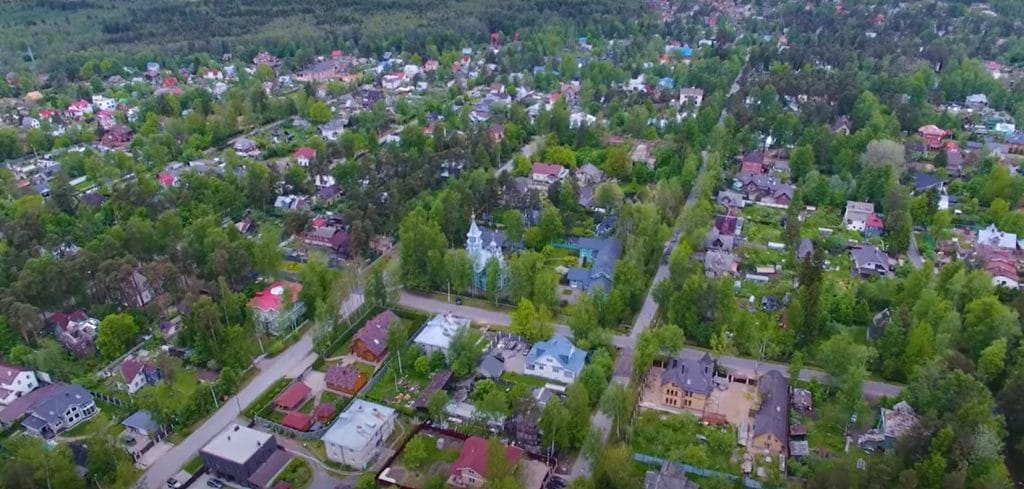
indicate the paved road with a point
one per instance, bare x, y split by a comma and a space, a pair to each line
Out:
527, 151
289, 363
913, 253
627, 343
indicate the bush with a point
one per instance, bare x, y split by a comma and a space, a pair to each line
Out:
297, 473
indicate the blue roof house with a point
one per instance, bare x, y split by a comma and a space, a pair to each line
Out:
601, 254
556, 359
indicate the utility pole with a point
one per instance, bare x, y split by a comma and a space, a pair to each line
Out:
214, 394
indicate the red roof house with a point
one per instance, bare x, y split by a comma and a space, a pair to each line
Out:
304, 155
167, 179
297, 421
292, 397
932, 135
371, 341
324, 411
470, 469
346, 379
272, 297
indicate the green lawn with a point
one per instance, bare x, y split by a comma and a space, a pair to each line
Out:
447, 455
527, 380
100, 424
192, 465
682, 437
407, 389
297, 473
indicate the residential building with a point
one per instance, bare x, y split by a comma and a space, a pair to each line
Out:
545, 174
933, 135
860, 216
556, 359
292, 397
246, 147
58, 408
136, 291
76, 331
438, 382
924, 182
869, 261
274, 311
333, 129
842, 125
720, 264
297, 421
304, 155
118, 136
371, 341
731, 199
136, 375
892, 424
437, 334
330, 234
992, 236
804, 249
643, 152
470, 469
359, 433
16, 381
691, 95
670, 476
601, 255
345, 379
687, 383
140, 434
481, 255
771, 423
588, 175
238, 452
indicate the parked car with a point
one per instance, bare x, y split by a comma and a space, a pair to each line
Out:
215, 483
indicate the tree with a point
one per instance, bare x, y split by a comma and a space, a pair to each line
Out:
266, 252
492, 278
614, 468
417, 452
512, 221
617, 162
884, 152
555, 426
551, 227
807, 313
992, 361
102, 460
460, 270
464, 351
846, 363
531, 322
436, 403
609, 197
320, 290
116, 334
985, 321
319, 112
398, 335
801, 161
616, 403
653, 342
377, 290
423, 250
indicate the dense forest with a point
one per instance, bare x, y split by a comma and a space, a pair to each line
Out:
63, 33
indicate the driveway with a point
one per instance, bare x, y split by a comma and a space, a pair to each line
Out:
290, 362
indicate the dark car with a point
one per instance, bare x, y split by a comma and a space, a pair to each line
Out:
215, 483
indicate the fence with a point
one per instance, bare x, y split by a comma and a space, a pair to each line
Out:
284, 430
689, 469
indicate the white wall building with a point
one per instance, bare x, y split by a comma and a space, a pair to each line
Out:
359, 433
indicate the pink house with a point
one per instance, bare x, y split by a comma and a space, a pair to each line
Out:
933, 135
304, 155
546, 173
78, 109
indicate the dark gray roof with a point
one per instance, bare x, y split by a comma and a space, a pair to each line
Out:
867, 255
491, 367
773, 417
606, 253
577, 274
694, 375
805, 248
141, 420
487, 235
52, 408
925, 181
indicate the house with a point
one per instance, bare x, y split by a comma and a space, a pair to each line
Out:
327, 234
879, 322
932, 135
16, 381
332, 129
643, 152
804, 249
546, 174
53, 409
869, 261
136, 291
860, 216
556, 359
924, 182
490, 367
297, 421
719, 264
771, 423
265, 58
246, 147
730, 199
392, 81
437, 334
304, 155
470, 469
346, 379
1000, 264
78, 109
687, 383
719, 242
239, 453
803, 400
99, 102
523, 429
842, 125
273, 310
892, 424
670, 476
118, 136
763, 187
291, 202
691, 95
601, 255
976, 101
136, 375
292, 396
371, 341
140, 434
588, 175
324, 412
76, 331
496, 133
359, 433
438, 382
992, 236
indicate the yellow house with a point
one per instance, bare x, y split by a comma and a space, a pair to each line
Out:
687, 383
